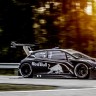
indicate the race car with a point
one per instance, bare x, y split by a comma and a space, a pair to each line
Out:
56, 62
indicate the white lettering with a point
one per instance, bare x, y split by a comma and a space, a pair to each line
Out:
39, 64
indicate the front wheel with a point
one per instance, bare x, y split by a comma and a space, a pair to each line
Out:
25, 70
81, 71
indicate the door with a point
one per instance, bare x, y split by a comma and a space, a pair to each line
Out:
56, 61
39, 61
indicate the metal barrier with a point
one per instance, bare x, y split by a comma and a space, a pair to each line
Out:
6, 68
9, 65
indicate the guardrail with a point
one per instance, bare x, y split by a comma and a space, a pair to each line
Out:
9, 65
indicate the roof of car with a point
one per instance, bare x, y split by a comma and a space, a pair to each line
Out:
53, 49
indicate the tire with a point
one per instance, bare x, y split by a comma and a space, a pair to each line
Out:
26, 70
81, 71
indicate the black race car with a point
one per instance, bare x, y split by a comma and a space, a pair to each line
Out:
57, 62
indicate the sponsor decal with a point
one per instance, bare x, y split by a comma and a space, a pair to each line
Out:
56, 69
39, 64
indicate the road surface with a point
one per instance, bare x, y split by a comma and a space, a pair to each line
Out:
67, 87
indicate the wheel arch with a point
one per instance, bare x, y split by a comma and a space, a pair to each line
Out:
76, 62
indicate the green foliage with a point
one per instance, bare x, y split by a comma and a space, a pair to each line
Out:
22, 87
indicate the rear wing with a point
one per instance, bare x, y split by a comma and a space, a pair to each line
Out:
26, 47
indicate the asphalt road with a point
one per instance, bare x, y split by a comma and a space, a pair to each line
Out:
67, 87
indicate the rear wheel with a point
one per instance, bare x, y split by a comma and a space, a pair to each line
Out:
81, 71
25, 70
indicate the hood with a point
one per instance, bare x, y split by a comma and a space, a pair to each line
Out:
92, 61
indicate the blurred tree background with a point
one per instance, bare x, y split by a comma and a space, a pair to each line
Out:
50, 23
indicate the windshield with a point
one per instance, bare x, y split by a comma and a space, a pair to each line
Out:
81, 55
78, 54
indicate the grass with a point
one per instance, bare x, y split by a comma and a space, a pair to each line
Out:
23, 87
7, 72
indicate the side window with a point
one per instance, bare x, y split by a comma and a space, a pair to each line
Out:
58, 55
40, 55
69, 56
